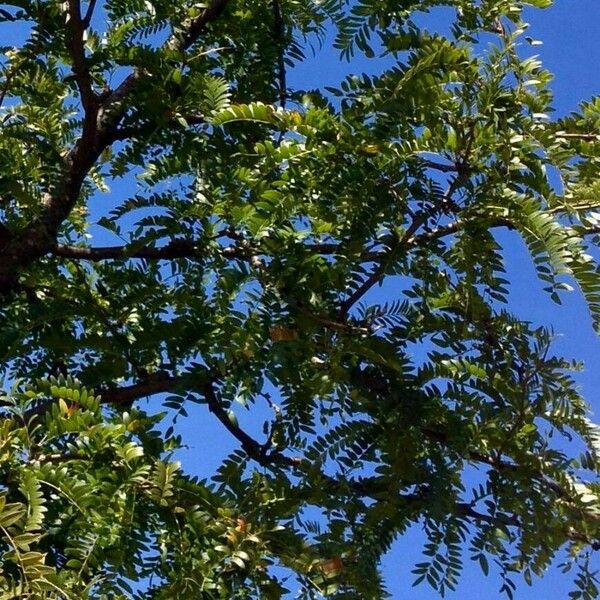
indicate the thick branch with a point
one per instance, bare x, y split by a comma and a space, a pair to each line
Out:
19, 250
177, 249
174, 250
266, 456
154, 383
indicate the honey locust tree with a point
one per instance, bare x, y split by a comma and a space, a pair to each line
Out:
181, 224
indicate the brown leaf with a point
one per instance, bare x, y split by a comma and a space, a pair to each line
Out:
279, 333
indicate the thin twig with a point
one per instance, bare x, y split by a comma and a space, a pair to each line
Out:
590, 137
383, 265
87, 19
279, 33
89, 99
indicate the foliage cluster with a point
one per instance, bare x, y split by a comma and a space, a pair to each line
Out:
331, 258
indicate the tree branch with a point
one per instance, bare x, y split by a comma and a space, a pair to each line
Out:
265, 455
174, 250
80, 68
384, 261
161, 382
409, 240
278, 34
10, 74
497, 463
133, 131
418, 221
194, 29
588, 137
89, 13
154, 383
259, 452
344, 327
19, 250
444, 168
500, 464
367, 487
451, 228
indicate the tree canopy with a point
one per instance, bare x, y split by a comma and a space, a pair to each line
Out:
324, 264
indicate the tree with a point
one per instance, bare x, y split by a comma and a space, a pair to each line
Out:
252, 227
